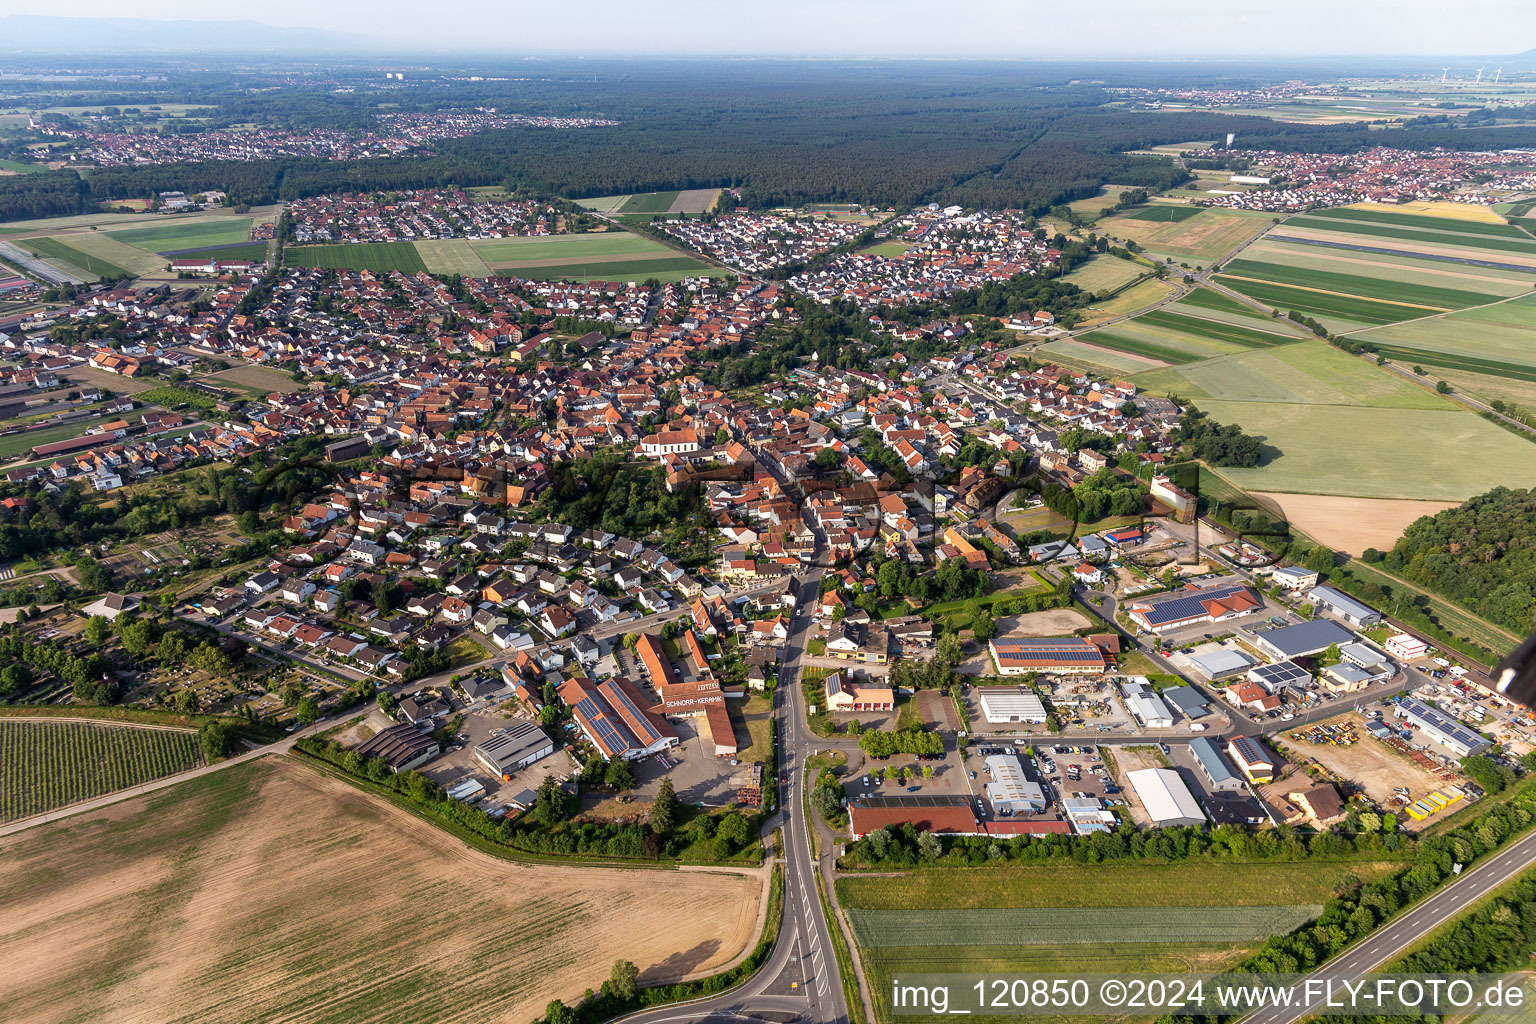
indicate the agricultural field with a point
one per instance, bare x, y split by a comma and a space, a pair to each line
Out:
1186, 332
45, 765
603, 204
256, 251
1093, 206
1069, 350
72, 260
649, 202
451, 256
1138, 296
1162, 213
1100, 274
379, 257
1133, 916
240, 895
99, 246
1352, 524
1496, 340
1201, 237
514, 253
1343, 426
177, 234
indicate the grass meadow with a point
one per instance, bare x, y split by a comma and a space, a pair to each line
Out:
379, 257
187, 234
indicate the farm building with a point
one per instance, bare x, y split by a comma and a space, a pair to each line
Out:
844, 693
1067, 655
1221, 663
1189, 702
1009, 792
1195, 605
1302, 639
1254, 761
1345, 607
1143, 702
1449, 732
514, 748
1004, 704
1406, 648
1167, 800
1215, 766
402, 747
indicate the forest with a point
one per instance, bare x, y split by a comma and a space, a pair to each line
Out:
1481, 555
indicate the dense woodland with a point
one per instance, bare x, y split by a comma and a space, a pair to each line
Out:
1481, 555
1016, 136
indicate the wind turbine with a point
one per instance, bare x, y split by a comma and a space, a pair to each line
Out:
1443, 73
1497, 73
1479, 77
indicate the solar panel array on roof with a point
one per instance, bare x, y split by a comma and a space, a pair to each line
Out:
1070, 649
834, 684
1191, 605
595, 718
644, 729
1280, 674
920, 800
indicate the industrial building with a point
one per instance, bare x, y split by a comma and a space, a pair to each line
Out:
1302, 639
1406, 648
1218, 772
610, 716
1452, 734
1005, 704
1221, 663
402, 747
1147, 706
1066, 655
1252, 759
1345, 607
1195, 605
514, 748
1009, 792
1087, 814
1167, 800
1278, 676
1189, 702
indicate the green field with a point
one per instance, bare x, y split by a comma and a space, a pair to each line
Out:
1162, 213
379, 257
1342, 425
1341, 312
1034, 926
1498, 339
1132, 916
1458, 238
1069, 350
1424, 221
603, 204
1173, 319
105, 251
670, 268
240, 251
47, 765
22, 168
514, 252
1392, 289
1100, 274
1122, 339
1396, 267
187, 234
649, 202
891, 249
451, 256
92, 266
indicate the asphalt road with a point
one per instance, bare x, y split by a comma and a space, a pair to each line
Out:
1408, 928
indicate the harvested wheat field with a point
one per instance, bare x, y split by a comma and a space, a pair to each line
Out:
1353, 524
268, 892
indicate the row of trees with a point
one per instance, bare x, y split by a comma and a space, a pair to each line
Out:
912, 740
1218, 445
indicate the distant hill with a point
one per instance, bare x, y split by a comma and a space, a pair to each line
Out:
29, 33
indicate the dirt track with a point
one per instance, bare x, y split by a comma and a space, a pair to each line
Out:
268, 892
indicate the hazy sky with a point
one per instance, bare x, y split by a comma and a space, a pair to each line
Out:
1011, 28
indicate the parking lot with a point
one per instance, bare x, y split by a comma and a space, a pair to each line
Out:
458, 761
1062, 770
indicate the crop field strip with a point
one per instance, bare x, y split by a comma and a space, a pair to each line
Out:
1163, 212
1432, 236
100, 246
1216, 330
511, 251
92, 266
649, 202
1499, 274
1110, 337
1349, 308
47, 765
379, 257
673, 268
238, 251
1418, 220
1380, 288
